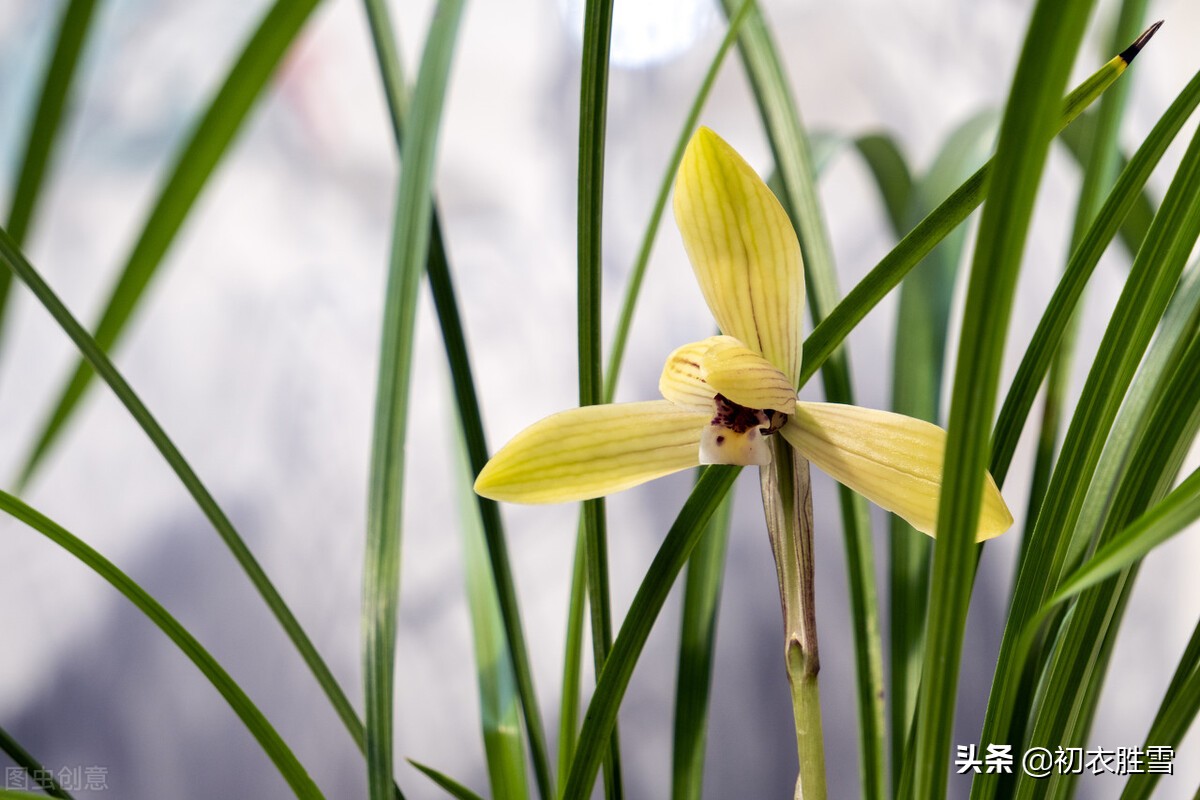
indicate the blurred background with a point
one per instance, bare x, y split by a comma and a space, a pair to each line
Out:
256, 349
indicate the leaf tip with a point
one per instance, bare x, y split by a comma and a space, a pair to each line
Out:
1130, 53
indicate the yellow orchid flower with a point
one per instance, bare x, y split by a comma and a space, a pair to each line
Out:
724, 395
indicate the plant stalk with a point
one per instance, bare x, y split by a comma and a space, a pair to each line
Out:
787, 504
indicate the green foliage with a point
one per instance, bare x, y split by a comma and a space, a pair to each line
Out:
198, 158
1098, 507
291, 769
410, 250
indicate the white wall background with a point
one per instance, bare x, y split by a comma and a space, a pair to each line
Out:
256, 349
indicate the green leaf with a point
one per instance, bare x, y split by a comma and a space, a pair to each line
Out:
291, 769
593, 104
1100, 170
1168, 517
466, 400
1038, 355
73, 30
892, 176
1175, 715
793, 161
572, 662
1167, 426
33, 768
11, 257
633, 286
1151, 282
681, 539
919, 362
452, 787
196, 161
1029, 124
697, 642
829, 334
1180, 324
499, 705
568, 723
410, 250
1133, 230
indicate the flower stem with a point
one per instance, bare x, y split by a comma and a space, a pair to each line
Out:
787, 504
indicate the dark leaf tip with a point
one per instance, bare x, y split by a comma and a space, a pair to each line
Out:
1129, 53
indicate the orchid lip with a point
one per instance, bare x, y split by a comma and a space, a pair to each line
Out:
737, 434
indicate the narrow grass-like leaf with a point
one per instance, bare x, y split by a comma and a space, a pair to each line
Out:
1038, 355
1168, 425
291, 769
1170, 516
43, 132
921, 331
500, 712
466, 400
1178, 709
568, 722
1077, 137
195, 163
697, 642
828, 335
452, 787
11, 257
793, 161
1188, 663
1177, 714
681, 539
410, 250
572, 662
1135, 316
593, 105
1100, 170
36, 773
593, 117
1151, 282
1028, 126
637, 274
892, 175
1179, 327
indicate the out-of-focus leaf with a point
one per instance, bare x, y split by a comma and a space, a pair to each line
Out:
1133, 229
919, 362
266, 735
410, 250
697, 643
452, 787
43, 133
892, 176
195, 163
681, 539
36, 773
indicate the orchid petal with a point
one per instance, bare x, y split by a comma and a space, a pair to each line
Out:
893, 460
745, 377
743, 249
593, 451
682, 380
696, 373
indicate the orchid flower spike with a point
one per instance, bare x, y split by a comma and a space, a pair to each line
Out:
724, 395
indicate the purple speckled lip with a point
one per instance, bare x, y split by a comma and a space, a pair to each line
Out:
740, 419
